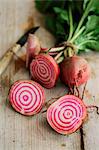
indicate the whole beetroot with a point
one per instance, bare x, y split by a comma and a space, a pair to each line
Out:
33, 48
74, 71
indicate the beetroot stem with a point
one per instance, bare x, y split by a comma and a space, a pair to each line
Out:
60, 59
71, 23
56, 49
58, 55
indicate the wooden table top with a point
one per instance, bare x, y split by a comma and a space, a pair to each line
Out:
19, 132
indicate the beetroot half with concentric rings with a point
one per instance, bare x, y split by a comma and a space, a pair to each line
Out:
26, 97
67, 114
45, 70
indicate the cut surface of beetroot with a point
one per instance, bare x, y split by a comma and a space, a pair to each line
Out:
44, 70
26, 97
67, 114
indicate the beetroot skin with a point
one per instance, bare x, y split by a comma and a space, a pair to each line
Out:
74, 70
33, 48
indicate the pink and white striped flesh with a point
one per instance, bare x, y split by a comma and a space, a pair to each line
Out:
45, 70
67, 114
27, 97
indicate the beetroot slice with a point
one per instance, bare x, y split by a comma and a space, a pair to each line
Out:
67, 114
74, 71
44, 70
33, 48
26, 97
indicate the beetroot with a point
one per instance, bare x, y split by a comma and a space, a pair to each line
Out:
33, 48
67, 114
74, 70
44, 70
26, 97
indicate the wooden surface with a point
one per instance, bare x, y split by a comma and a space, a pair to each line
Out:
18, 132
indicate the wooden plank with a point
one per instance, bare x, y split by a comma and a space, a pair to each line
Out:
4, 82
91, 127
91, 132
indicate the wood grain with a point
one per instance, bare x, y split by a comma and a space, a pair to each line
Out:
91, 127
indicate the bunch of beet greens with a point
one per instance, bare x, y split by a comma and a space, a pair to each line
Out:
74, 21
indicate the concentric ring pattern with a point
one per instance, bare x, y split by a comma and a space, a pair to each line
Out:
26, 97
44, 70
66, 114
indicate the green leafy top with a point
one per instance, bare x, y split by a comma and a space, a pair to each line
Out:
73, 21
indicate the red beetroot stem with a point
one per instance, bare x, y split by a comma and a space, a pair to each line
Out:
53, 53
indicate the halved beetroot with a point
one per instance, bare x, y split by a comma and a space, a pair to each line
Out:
75, 70
33, 48
67, 114
26, 97
45, 70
